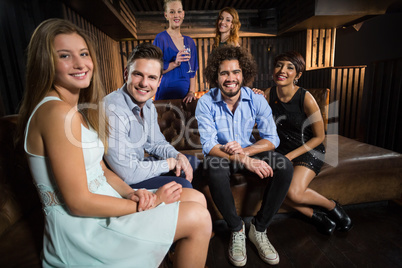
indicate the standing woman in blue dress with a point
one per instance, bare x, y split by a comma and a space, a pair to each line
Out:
177, 81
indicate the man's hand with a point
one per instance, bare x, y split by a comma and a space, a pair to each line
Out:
145, 199
168, 193
183, 164
259, 167
232, 147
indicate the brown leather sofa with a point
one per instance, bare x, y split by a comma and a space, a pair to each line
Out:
21, 218
364, 173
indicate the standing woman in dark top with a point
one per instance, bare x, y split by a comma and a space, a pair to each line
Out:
227, 28
301, 130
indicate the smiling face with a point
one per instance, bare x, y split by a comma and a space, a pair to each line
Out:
225, 22
285, 73
174, 13
143, 79
74, 64
230, 78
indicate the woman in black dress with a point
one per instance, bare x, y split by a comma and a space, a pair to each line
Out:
301, 130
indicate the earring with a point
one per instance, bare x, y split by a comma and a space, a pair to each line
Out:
295, 81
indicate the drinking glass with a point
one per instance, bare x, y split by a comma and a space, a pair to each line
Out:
188, 50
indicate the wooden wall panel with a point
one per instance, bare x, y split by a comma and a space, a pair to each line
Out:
320, 48
346, 92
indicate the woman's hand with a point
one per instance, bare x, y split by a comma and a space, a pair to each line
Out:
181, 56
168, 193
144, 198
258, 91
189, 97
288, 157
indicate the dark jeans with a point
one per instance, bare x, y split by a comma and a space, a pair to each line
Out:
219, 171
159, 181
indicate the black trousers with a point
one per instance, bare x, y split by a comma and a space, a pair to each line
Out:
219, 171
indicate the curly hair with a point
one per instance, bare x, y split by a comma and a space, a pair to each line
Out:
220, 54
234, 32
294, 57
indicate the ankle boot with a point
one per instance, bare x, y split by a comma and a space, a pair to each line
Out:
339, 216
323, 224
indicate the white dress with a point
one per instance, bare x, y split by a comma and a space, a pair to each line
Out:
137, 240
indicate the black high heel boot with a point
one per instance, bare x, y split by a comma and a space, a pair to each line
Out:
339, 216
323, 224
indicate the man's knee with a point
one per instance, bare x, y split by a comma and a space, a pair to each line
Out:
185, 183
217, 168
283, 166
279, 163
216, 163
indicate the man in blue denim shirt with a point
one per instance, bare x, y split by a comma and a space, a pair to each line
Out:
134, 127
226, 117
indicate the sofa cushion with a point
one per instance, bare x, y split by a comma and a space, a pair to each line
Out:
356, 172
177, 122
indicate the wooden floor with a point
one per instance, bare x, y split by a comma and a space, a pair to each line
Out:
374, 241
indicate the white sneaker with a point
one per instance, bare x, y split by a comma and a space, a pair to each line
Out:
265, 249
237, 248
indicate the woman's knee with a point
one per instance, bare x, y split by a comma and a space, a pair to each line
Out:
295, 195
193, 196
195, 217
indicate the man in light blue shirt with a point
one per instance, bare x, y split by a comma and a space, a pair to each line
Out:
226, 118
134, 128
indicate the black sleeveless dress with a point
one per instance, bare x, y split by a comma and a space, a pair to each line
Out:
294, 129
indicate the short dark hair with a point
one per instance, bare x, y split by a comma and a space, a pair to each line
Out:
294, 57
147, 51
219, 54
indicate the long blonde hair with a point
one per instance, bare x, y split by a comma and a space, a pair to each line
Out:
40, 76
234, 32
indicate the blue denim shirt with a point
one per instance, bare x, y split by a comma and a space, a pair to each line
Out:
131, 134
218, 125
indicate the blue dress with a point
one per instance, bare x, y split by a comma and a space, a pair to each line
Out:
176, 83
140, 239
